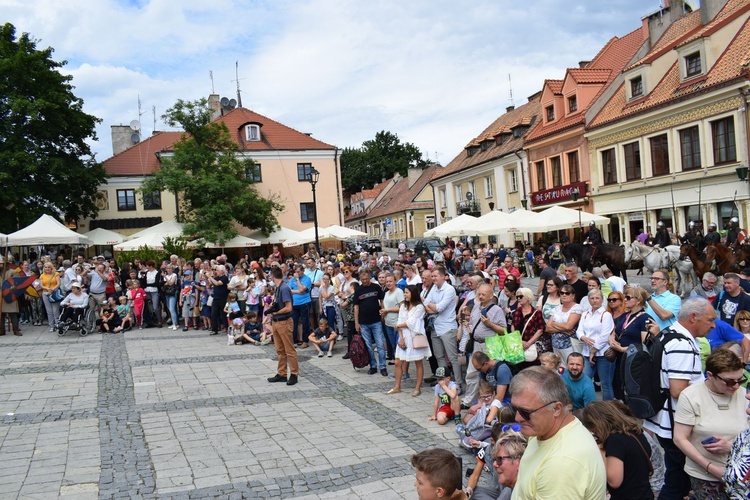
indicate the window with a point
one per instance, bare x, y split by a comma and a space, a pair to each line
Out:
540, 180
307, 212
485, 145
722, 132
556, 166
693, 64
252, 132
303, 171
636, 86
253, 173
488, 186
632, 161
609, 167
152, 201
572, 103
443, 201
550, 113
512, 181
659, 155
472, 190
459, 193
125, 199
690, 148
573, 168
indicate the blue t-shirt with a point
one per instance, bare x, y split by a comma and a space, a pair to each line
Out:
631, 328
581, 391
299, 299
499, 374
253, 327
723, 333
668, 301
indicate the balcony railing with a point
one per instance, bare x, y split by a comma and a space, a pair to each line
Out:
468, 207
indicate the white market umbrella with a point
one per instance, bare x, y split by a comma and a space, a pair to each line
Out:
100, 236
46, 230
167, 228
557, 218
344, 233
236, 242
495, 222
153, 241
521, 218
333, 232
454, 227
279, 236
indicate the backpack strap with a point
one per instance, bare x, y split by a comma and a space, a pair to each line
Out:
667, 335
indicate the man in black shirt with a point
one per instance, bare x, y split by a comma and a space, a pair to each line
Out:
571, 278
547, 273
368, 301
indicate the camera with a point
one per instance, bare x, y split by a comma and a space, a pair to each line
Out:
274, 308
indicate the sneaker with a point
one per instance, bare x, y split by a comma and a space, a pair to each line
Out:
265, 342
174, 328
405, 376
292, 380
320, 354
345, 356
372, 371
277, 378
184, 328
51, 328
330, 354
384, 372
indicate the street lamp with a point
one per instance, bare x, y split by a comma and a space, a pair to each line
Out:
313, 179
742, 173
576, 193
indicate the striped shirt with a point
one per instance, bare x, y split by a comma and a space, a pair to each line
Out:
681, 361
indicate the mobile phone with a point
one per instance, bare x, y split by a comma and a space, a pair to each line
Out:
709, 440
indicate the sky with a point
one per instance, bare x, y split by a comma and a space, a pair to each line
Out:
434, 72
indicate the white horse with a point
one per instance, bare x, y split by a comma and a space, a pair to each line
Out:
669, 258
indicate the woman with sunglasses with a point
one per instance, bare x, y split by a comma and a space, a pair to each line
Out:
708, 417
529, 321
630, 327
742, 323
627, 452
563, 322
551, 301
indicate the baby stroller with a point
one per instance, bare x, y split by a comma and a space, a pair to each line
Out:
77, 319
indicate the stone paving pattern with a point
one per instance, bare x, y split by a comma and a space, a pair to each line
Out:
162, 414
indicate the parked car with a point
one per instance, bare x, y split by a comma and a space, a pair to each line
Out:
373, 245
429, 244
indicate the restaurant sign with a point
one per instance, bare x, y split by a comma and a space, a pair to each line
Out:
558, 194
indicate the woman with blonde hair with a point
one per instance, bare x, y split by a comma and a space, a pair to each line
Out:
50, 281
627, 453
742, 322
631, 328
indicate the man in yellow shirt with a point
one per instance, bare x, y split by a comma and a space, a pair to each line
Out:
562, 460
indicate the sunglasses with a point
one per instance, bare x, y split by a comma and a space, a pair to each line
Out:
566, 293
511, 427
520, 297
499, 459
731, 382
613, 300
743, 319
629, 297
526, 414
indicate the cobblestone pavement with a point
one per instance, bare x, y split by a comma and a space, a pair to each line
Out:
162, 414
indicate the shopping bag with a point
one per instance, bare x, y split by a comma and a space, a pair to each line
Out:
494, 347
513, 347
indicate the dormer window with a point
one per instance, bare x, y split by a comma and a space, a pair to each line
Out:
636, 86
549, 112
252, 132
693, 64
572, 104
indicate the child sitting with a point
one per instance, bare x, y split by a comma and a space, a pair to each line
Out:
253, 333
478, 421
323, 338
125, 314
438, 474
447, 404
553, 361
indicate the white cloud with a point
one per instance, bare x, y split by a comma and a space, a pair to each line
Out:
434, 72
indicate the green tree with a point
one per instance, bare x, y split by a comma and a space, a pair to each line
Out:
210, 178
378, 158
46, 166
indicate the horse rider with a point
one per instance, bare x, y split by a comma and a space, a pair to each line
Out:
693, 235
662, 239
593, 237
735, 235
712, 236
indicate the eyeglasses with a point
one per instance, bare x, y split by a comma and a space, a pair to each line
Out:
526, 414
511, 427
617, 299
566, 293
709, 283
657, 278
499, 459
487, 397
731, 382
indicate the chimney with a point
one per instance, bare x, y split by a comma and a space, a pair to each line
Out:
122, 138
214, 103
709, 9
583, 64
413, 175
510, 108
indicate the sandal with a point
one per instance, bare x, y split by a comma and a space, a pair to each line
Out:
393, 391
416, 393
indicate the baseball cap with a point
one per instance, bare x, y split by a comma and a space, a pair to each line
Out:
442, 372
746, 271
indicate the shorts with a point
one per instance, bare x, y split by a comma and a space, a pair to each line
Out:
447, 410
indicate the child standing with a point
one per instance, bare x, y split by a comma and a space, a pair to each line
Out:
447, 404
137, 297
323, 338
188, 299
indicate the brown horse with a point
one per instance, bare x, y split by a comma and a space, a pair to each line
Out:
699, 264
742, 256
724, 258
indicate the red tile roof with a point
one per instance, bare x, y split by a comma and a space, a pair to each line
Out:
728, 13
525, 115
611, 59
401, 197
555, 86
731, 66
141, 159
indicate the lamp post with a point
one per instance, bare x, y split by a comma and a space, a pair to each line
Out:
313, 179
575, 195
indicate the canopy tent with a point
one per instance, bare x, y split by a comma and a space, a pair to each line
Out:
556, 218
167, 228
491, 223
153, 241
46, 230
457, 226
279, 236
324, 233
236, 242
104, 237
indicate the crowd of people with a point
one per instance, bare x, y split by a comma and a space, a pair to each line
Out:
536, 427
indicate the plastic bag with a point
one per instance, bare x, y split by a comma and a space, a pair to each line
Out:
513, 347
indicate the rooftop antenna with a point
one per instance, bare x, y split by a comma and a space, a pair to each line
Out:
237, 79
510, 87
153, 110
211, 76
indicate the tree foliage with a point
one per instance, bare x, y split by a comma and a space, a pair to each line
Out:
46, 166
210, 178
377, 159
